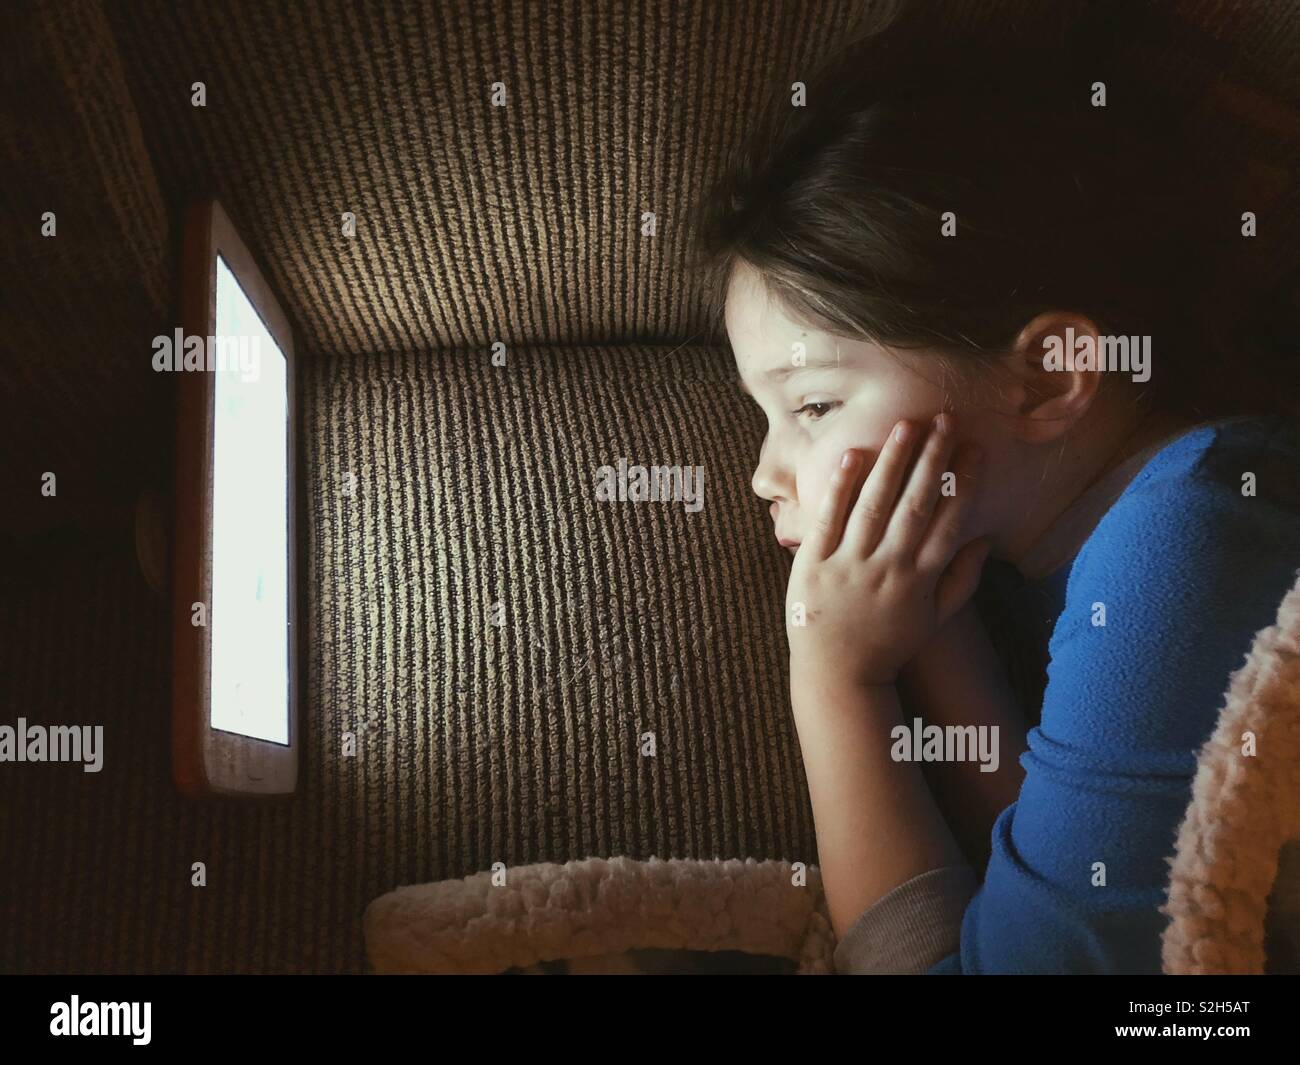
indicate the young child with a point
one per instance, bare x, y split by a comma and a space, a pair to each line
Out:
937, 232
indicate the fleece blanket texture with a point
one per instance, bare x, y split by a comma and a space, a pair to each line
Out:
1228, 910
1245, 809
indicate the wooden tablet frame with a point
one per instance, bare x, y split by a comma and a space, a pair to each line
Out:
205, 760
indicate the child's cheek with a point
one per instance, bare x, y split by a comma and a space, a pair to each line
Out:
819, 473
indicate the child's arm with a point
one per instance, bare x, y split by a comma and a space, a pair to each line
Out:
874, 580
877, 824
957, 679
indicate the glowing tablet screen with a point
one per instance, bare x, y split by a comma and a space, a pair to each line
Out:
250, 523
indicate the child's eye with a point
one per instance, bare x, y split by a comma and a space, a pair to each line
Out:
817, 411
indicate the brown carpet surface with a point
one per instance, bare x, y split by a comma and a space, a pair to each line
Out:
474, 222
474, 485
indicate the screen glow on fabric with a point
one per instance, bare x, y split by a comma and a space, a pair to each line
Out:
250, 529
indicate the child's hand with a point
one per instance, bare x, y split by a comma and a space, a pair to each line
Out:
876, 587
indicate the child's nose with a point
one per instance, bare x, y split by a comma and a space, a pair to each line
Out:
767, 478
764, 484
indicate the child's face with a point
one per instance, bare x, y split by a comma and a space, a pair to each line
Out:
849, 394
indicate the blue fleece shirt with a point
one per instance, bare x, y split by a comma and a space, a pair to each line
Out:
1184, 569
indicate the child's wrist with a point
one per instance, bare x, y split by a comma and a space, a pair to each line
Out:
814, 675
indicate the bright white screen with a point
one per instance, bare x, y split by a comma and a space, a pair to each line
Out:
250, 528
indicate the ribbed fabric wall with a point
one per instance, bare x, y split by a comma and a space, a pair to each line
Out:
474, 223
518, 741
476, 743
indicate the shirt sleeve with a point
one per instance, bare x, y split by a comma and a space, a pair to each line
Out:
910, 929
1162, 607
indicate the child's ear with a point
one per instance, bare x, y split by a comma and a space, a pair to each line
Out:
1049, 394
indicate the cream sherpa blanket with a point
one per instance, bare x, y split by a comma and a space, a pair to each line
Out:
593, 911
602, 915
1245, 808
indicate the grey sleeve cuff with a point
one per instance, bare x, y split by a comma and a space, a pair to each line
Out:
912, 928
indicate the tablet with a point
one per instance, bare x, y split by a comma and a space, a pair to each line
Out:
234, 720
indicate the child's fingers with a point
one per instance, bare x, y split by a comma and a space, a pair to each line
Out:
949, 524
912, 514
875, 503
959, 580
824, 536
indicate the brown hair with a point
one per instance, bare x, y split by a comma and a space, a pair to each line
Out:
1058, 204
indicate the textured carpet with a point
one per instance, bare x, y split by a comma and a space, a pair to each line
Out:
476, 743
475, 223
475, 486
